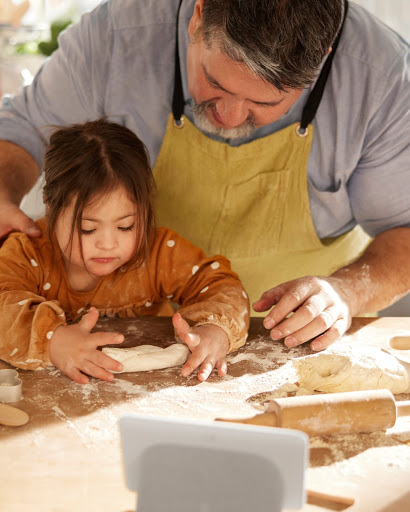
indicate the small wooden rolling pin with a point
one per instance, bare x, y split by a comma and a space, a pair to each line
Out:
333, 413
400, 342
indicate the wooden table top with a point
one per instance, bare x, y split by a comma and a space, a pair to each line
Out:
68, 457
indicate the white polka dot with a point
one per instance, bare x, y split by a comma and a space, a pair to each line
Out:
204, 289
34, 263
148, 304
170, 296
195, 269
49, 335
244, 294
46, 286
80, 311
215, 265
22, 302
170, 243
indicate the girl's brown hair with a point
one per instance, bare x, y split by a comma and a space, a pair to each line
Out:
87, 161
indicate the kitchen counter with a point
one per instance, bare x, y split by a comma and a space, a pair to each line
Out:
68, 457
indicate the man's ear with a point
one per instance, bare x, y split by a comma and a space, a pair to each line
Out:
196, 19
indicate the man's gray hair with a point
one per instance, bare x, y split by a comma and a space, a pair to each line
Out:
282, 41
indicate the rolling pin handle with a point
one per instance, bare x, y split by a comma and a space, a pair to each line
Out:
403, 408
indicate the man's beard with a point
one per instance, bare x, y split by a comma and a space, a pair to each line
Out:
204, 124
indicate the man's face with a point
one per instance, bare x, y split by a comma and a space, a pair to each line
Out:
230, 101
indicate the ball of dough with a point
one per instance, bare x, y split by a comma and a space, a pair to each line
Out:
351, 369
148, 357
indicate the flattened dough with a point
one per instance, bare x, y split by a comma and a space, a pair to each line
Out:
148, 357
351, 369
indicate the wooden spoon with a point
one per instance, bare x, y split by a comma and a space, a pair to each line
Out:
12, 417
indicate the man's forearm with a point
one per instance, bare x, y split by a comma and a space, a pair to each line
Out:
381, 275
18, 172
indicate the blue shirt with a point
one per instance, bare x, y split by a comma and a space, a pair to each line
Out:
118, 61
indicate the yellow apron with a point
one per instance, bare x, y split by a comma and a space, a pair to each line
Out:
249, 203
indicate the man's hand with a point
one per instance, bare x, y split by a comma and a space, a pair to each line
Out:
209, 345
13, 219
320, 307
73, 349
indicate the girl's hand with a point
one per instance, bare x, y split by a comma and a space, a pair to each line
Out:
73, 349
209, 345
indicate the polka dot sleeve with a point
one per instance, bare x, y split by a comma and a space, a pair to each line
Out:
206, 288
27, 319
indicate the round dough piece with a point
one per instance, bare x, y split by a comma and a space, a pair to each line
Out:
148, 357
351, 369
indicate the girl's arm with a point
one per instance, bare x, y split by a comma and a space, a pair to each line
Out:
214, 315
27, 319
208, 291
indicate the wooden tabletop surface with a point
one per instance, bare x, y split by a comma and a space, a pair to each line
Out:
68, 457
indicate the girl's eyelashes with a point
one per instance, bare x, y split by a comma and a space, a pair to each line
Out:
129, 228
90, 231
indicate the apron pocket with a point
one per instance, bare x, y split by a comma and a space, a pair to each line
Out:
251, 221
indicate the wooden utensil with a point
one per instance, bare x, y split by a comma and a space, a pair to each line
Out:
12, 417
333, 413
400, 342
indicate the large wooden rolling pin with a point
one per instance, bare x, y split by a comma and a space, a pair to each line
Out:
333, 413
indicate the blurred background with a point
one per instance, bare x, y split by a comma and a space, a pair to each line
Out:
28, 35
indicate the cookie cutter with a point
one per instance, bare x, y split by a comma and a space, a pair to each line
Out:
10, 386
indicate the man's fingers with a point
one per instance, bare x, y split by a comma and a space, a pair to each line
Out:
268, 299
305, 316
16, 220
317, 326
331, 335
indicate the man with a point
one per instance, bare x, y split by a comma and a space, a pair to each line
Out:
292, 150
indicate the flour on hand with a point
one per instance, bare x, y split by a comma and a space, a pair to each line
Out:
148, 357
351, 369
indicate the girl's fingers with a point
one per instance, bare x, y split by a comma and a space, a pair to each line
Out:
194, 360
222, 367
93, 370
89, 320
104, 361
192, 341
76, 376
181, 326
106, 338
206, 368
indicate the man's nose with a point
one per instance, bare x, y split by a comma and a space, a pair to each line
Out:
233, 113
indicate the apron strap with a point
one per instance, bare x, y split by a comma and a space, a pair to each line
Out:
178, 102
316, 94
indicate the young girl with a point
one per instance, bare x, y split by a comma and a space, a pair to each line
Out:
100, 254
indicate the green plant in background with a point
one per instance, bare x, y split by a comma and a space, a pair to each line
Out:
44, 47
48, 47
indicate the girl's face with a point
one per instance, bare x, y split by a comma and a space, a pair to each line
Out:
108, 235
